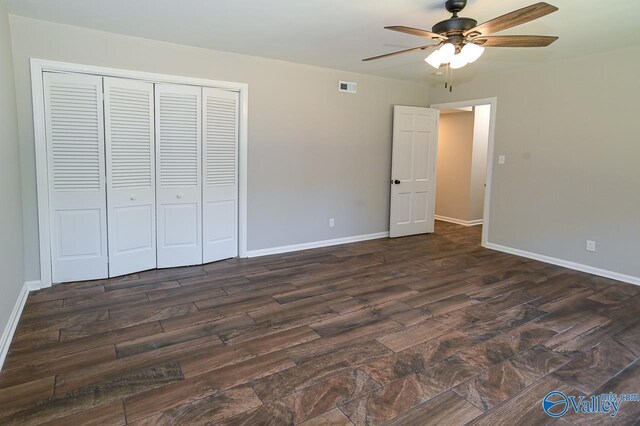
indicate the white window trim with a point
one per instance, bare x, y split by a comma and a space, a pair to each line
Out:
38, 66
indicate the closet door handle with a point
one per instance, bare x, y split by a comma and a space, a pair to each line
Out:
179, 196
132, 198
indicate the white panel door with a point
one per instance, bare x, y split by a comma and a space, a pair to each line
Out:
178, 165
129, 134
76, 168
220, 185
413, 170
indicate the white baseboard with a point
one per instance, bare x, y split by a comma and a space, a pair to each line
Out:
35, 285
11, 326
459, 221
316, 244
566, 264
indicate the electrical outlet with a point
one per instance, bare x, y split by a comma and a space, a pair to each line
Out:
591, 245
332, 223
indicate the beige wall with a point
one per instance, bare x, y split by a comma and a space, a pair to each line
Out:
314, 153
455, 146
569, 130
481, 122
11, 250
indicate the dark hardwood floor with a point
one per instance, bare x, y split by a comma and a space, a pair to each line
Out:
420, 330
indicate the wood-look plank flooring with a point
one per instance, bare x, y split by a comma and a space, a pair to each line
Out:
430, 329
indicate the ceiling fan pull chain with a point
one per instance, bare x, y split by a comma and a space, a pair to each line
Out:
446, 77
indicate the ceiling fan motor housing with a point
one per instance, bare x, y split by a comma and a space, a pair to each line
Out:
455, 26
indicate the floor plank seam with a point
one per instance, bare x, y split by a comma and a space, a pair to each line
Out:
457, 392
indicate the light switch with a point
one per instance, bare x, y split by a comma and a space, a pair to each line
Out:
502, 159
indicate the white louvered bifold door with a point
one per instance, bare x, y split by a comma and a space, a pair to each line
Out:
220, 177
178, 166
76, 168
129, 134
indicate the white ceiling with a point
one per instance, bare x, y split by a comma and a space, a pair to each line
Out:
339, 33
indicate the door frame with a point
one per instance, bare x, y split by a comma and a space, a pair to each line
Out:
39, 66
490, 154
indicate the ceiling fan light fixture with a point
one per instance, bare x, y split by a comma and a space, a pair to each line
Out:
458, 61
435, 59
447, 52
461, 41
472, 52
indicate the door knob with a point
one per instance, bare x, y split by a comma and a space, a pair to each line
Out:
179, 196
397, 182
132, 198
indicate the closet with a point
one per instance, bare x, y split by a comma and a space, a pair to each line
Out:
141, 175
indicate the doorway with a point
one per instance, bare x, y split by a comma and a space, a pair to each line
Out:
465, 149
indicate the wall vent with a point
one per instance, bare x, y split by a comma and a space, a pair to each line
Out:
347, 86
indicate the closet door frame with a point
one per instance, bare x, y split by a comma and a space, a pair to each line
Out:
38, 67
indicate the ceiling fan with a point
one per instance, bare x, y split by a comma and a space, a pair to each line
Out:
462, 41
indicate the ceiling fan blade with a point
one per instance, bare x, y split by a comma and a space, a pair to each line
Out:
513, 19
417, 32
514, 41
431, 46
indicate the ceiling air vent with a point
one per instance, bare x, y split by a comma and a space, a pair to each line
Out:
347, 86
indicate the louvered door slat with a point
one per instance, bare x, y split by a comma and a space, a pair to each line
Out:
220, 138
178, 154
77, 190
220, 191
129, 113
